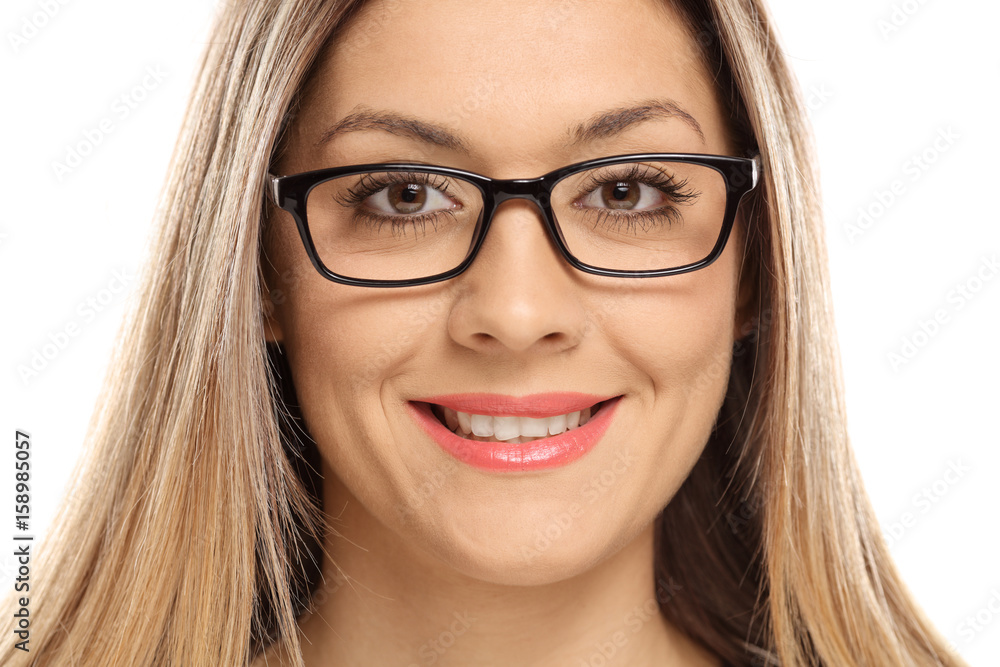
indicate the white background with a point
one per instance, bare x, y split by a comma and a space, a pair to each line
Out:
884, 81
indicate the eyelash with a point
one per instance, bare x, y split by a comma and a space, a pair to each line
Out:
651, 177
375, 184
399, 224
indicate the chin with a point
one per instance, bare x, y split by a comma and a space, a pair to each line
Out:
529, 552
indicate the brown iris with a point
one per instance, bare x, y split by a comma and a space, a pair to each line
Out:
407, 197
621, 195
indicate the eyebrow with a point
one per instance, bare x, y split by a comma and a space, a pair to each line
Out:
602, 125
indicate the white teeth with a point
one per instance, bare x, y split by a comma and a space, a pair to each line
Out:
534, 428
557, 424
506, 428
482, 425
513, 429
464, 421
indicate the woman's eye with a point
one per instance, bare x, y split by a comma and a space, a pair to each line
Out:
625, 195
409, 199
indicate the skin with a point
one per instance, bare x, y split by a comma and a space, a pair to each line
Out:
433, 558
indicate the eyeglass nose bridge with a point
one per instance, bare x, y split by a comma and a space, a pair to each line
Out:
536, 190
533, 189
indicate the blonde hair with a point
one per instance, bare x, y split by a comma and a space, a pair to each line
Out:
185, 537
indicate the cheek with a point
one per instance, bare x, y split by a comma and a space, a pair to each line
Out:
679, 340
696, 347
352, 338
346, 347
340, 339
680, 336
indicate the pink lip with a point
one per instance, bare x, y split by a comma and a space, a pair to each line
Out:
500, 405
550, 452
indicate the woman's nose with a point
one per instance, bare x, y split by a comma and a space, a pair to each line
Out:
520, 293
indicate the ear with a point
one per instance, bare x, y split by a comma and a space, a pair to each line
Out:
270, 297
747, 293
272, 327
746, 307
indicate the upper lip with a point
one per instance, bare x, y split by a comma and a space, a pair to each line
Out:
502, 405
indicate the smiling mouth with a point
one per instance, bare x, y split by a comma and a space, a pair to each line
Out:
513, 430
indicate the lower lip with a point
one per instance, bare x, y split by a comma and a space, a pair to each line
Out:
551, 452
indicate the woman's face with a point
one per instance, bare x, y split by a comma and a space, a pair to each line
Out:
512, 80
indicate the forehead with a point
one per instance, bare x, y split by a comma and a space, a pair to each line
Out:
513, 78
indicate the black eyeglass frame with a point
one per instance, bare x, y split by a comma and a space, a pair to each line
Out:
741, 175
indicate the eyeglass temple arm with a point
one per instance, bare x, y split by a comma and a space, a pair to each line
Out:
754, 155
272, 188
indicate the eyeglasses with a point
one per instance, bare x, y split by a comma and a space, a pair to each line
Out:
632, 216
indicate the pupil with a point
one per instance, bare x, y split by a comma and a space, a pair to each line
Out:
621, 195
407, 197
